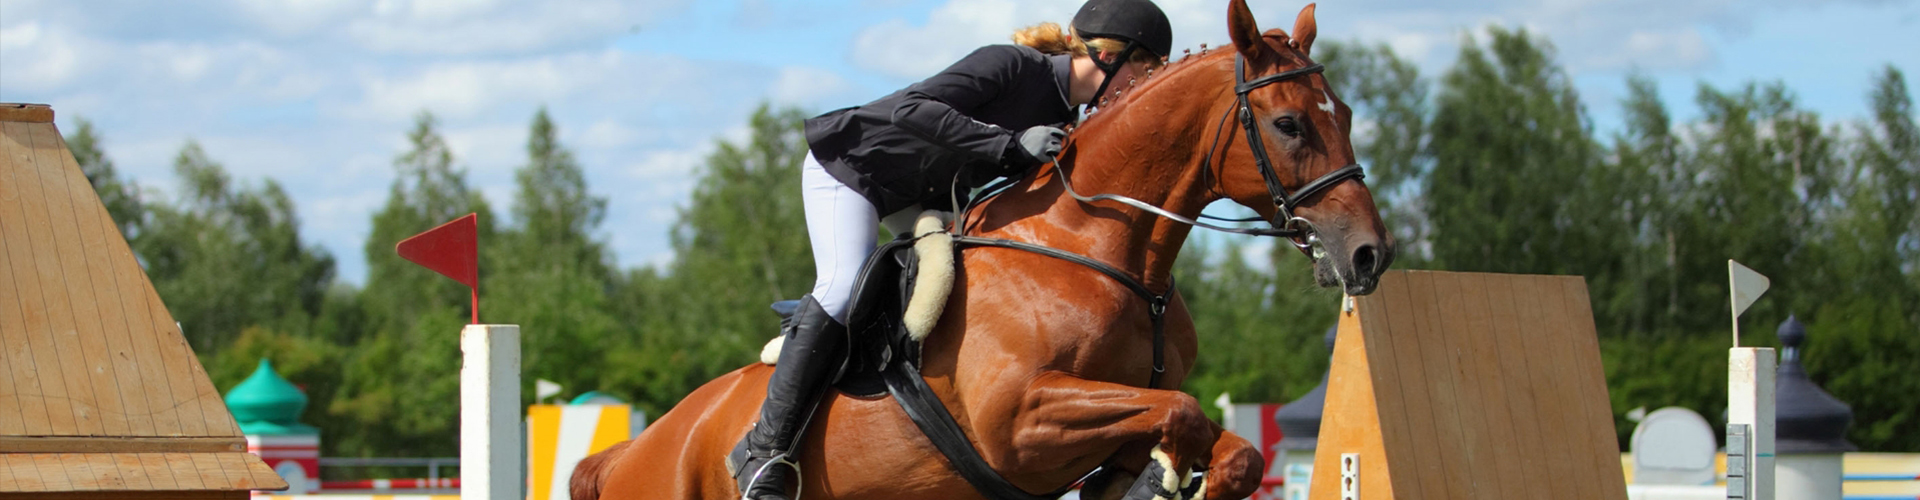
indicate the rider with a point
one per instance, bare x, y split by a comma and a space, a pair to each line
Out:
998, 112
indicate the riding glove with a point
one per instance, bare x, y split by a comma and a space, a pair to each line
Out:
1036, 145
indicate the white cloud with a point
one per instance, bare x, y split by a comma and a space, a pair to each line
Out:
800, 84
900, 49
669, 164
39, 57
494, 27
294, 18
1678, 49
607, 133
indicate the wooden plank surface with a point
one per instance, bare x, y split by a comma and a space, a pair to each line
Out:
89, 333
1360, 408
180, 365
19, 329
145, 331
99, 238
30, 245
1600, 434
53, 472
19, 473
1454, 297
185, 477
20, 399
1529, 447
134, 471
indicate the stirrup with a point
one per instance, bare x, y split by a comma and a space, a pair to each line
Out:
780, 458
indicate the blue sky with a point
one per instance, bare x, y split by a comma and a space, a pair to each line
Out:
318, 94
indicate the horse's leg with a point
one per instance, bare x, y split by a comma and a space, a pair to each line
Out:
1063, 412
1236, 468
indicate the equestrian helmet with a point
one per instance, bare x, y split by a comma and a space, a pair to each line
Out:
1137, 21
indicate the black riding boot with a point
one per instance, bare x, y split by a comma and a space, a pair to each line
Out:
761, 462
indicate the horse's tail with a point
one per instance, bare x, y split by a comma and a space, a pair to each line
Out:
588, 475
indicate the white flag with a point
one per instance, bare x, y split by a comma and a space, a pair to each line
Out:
1747, 286
543, 388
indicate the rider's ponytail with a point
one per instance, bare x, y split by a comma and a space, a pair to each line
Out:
1050, 38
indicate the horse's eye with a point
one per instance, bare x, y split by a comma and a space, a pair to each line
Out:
1286, 125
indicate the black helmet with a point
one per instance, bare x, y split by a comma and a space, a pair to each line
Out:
1137, 21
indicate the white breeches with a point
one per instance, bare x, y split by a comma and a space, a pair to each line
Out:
843, 227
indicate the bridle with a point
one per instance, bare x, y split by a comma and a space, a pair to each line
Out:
1285, 223
1289, 226
1298, 230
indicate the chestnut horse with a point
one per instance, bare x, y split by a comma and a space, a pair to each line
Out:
1041, 360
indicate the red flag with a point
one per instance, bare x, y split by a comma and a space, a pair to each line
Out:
451, 250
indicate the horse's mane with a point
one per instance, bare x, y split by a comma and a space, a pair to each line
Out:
1153, 79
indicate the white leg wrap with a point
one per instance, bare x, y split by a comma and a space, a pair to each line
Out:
1175, 478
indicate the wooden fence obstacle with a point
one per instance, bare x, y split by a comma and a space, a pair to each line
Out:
1464, 386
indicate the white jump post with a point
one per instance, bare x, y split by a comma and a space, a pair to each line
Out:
490, 467
1750, 398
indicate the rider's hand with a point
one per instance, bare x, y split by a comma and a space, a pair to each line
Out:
1036, 145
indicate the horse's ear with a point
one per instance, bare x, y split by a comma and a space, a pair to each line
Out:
1241, 26
1304, 30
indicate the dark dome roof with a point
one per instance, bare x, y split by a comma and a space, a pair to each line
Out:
1806, 418
1300, 420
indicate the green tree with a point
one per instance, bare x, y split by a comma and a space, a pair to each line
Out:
122, 197
739, 244
553, 274
1861, 345
226, 258
1261, 333
1514, 186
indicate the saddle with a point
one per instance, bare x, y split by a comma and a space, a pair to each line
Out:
893, 308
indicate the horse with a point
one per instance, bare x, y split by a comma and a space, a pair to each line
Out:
1047, 365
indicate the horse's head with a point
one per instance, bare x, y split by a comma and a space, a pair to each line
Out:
1290, 116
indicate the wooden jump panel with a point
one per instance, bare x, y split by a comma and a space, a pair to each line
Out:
89, 348
1470, 386
99, 392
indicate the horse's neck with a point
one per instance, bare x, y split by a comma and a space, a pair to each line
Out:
1150, 149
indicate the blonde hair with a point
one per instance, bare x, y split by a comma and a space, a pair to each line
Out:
1050, 38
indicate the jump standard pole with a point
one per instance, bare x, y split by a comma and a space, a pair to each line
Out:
1750, 398
490, 443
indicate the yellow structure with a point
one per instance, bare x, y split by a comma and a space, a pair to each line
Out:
559, 436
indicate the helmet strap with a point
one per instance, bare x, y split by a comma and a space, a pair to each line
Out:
1110, 69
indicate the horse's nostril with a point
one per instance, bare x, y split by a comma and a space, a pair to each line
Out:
1365, 258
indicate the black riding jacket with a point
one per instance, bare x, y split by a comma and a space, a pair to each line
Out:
910, 146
